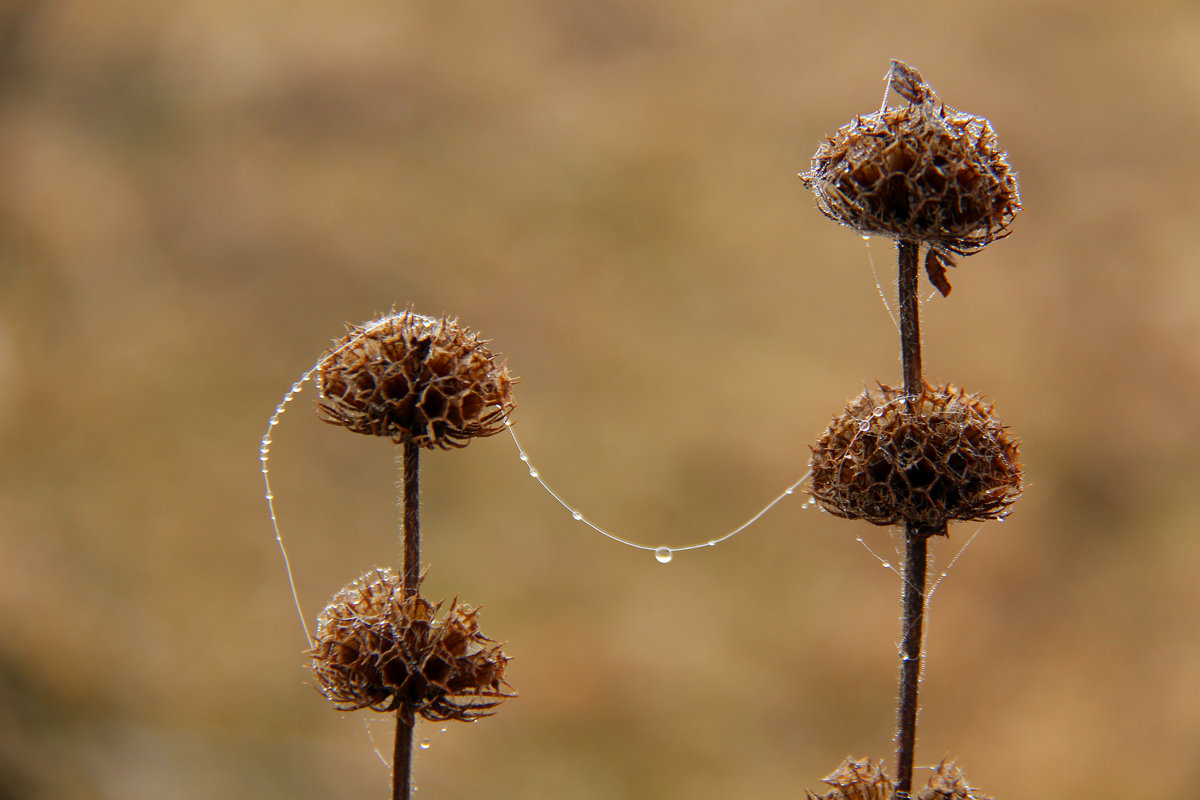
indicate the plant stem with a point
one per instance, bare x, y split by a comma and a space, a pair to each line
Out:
910, 317
915, 538
411, 565
411, 577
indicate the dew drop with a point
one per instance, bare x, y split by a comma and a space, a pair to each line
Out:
943, 574
866, 237
790, 491
508, 423
525, 457
886, 564
533, 473
663, 555
864, 427
575, 515
424, 744
269, 496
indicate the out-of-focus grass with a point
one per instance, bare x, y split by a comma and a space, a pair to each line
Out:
195, 196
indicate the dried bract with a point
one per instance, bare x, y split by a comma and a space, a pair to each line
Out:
940, 456
947, 783
380, 649
406, 375
857, 780
925, 173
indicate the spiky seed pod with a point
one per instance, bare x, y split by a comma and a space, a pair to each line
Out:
925, 173
407, 375
948, 783
941, 456
862, 780
857, 780
380, 649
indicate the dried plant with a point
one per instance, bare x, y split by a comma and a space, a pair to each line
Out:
926, 176
380, 648
422, 382
410, 377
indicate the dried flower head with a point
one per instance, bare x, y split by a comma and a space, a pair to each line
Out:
381, 649
862, 780
406, 375
948, 783
925, 173
857, 780
927, 460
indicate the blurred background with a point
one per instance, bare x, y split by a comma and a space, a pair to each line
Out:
196, 196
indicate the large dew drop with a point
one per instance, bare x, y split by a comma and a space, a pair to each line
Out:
663, 555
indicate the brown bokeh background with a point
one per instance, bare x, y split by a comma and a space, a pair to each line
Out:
195, 196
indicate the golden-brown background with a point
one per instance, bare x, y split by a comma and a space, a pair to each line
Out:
195, 196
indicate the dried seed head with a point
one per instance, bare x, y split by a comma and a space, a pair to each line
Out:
380, 649
862, 780
406, 375
857, 780
928, 460
924, 173
947, 783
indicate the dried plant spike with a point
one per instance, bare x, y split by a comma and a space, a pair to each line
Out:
381, 648
924, 173
948, 783
927, 460
857, 780
411, 376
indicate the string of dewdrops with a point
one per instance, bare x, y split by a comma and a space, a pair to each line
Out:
921, 455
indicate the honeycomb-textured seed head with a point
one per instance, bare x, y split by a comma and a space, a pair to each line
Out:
857, 780
862, 780
407, 375
925, 173
927, 460
381, 649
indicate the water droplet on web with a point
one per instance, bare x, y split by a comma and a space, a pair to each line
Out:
533, 473
866, 237
575, 515
943, 574
886, 564
424, 744
790, 490
864, 427
525, 457
663, 555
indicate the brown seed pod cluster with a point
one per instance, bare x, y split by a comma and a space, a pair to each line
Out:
926, 460
407, 375
381, 649
925, 173
862, 780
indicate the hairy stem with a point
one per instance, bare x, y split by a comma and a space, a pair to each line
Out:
910, 317
402, 755
411, 577
915, 538
411, 525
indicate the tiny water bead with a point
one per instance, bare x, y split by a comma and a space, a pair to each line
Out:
533, 473
886, 564
663, 555
575, 515
424, 744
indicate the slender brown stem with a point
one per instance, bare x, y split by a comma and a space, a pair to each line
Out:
411, 577
915, 538
411, 517
910, 317
402, 755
